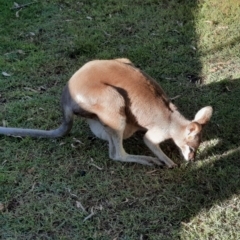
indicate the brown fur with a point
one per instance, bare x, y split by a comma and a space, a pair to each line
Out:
116, 91
118, 99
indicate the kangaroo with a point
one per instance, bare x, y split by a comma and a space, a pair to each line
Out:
117, 99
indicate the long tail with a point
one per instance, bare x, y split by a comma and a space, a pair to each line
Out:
55, 133
67, 108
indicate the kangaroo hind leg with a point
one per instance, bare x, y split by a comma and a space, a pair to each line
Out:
111, 123
115, 138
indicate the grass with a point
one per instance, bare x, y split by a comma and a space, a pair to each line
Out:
191, 48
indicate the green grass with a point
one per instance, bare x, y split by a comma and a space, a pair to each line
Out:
192, 48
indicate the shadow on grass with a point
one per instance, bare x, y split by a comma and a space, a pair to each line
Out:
214, 178
163, 201
218, 179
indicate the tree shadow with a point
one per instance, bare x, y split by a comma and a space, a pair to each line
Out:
217, 179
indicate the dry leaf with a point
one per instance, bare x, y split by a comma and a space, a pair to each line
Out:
73, 146
208, 21
6, 74
89, 216
100, 207
222, 27
126, 201
16, 5
180, 24
42, 88
30, 89
16, 136
4, 123
77, 141
213, 69
228, 89
79, 205
20, 51
96, 166
173, 98
192, 47
107, 34
31, 170
174, 30
153, 171
1, 206
17, 13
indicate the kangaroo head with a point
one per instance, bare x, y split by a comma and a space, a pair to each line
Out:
191, 138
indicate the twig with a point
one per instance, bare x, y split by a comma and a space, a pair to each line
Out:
17, 6
89, 216
79, 205
74, 195
30, 89
178, 96
78, 141
153, 171
4, 160
16, 136
94, 165
33, 186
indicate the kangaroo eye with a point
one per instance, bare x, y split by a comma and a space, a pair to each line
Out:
191, 149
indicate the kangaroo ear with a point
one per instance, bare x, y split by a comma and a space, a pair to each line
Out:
192, 130
203, 115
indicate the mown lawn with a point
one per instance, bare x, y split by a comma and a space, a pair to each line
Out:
68, 188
